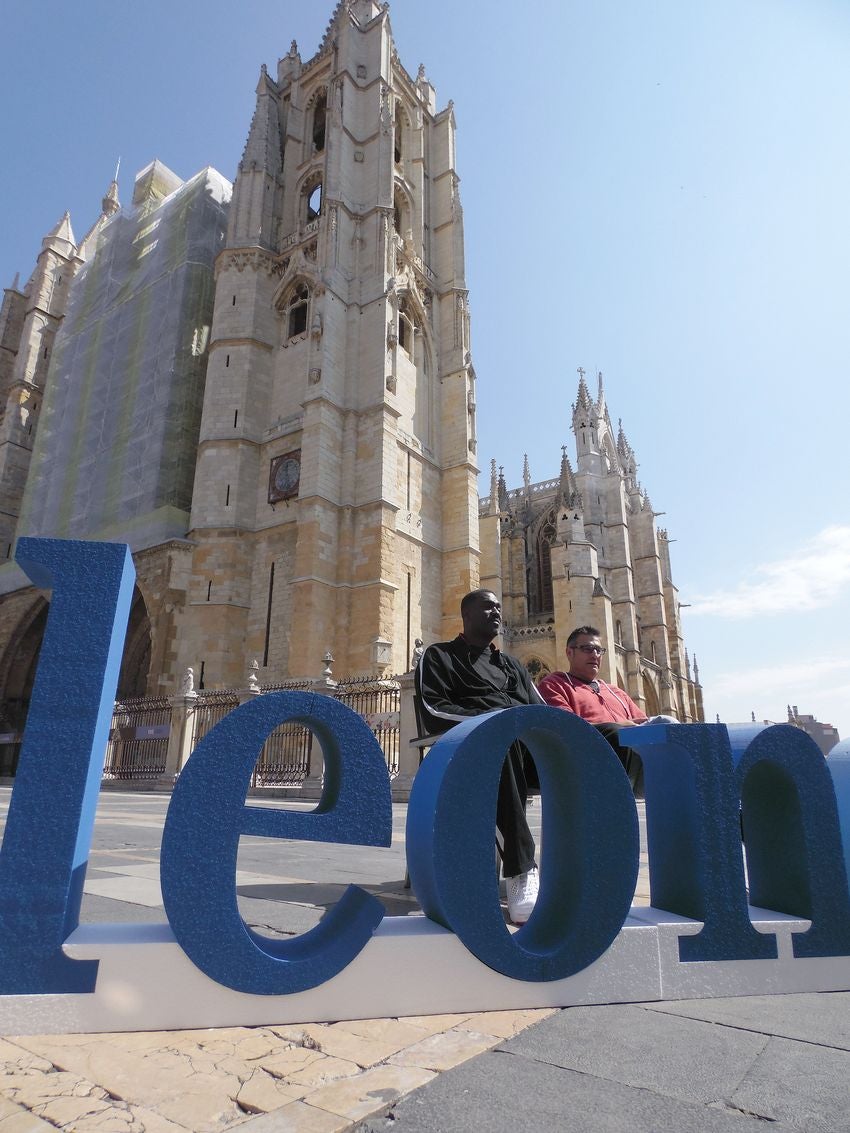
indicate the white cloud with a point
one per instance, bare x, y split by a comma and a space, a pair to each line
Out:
820, 688
808, 579
769, 681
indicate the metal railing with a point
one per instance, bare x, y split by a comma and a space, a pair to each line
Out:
139, 735
10, 750
378, 702
209, 708
138, 739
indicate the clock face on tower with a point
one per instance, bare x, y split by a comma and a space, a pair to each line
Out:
285, 476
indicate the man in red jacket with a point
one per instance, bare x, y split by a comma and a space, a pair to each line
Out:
581, 691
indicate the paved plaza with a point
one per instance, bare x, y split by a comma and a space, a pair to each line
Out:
698, 1065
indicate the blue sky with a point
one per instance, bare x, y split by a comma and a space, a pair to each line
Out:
656, 190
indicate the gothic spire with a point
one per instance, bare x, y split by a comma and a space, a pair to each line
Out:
110, 203
627, 456
565, 462
583, 401
504, 501
332, 23
526, 474
61, 231
494, 489
568, 486
600, 394
262, 149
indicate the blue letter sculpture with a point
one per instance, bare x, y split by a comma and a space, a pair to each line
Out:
590, 843
208, 814
705, 784
48, 832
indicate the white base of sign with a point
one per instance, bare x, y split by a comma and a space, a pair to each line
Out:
411, 966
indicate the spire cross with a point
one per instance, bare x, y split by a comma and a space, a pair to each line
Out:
580, 371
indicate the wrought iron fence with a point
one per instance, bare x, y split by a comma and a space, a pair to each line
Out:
209, 708
285, 758
378, 702
10, 750
138, 739
13, 717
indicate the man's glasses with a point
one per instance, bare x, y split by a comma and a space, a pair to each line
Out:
599, 650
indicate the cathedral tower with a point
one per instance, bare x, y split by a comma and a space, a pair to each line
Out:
335, 496
29, 320
584, 549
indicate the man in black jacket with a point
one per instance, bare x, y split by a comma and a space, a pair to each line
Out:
465, 677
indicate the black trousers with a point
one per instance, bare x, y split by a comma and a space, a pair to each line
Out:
517, 848
631, 761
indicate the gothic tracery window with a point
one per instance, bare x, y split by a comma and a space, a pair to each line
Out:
401, 213
540, 595
399, 127
296, 311
406, 327
314, 201
320, 114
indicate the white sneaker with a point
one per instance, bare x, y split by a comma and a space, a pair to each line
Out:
522, 894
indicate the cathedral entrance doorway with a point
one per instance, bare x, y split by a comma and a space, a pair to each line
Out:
19, 665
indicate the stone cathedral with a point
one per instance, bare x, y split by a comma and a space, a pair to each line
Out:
584, 549
267, 390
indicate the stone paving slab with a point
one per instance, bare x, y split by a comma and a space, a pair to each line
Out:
680, 1058
823, 1019
501, 1093
647, 1068
318, 1078
802, 1086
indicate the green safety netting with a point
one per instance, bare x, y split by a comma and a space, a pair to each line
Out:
118, 431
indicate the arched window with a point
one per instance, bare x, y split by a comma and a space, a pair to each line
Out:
540, 597
406, 328
399, 130
400, 213
296, 311
320, 116
313, 195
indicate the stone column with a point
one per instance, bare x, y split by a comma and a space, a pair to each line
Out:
408, 755
180, 735
324, 685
